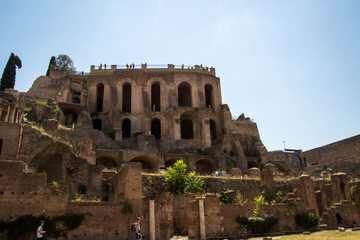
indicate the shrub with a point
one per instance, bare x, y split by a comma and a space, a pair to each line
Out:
352, 192
193, 183
229, 164
258, 224
175, 178
111, 133
307, 220
178, 181
239, 199
259, 200
127, 209
232, 153
223, 198
41, 103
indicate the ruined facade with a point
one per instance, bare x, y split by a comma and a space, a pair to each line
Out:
105, 133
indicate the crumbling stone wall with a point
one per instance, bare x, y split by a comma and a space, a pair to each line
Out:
341, 156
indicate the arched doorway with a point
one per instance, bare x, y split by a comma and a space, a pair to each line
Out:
209, 102
155, 97
184, 95
100, 97
126, 128
156, 128
126, 104
204, 167
148, 164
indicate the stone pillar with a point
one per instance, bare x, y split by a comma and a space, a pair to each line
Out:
206, 134
177, 131
306, 190
152, 219
202, 219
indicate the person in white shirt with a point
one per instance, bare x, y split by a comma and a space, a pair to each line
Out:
40, 231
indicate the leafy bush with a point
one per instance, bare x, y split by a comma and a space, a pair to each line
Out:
307, 220
111, 133
193, 183
223, 198
41, 103
127, 209
352, 192
178, 181
232, 153
259, 200
239, 199
258, 224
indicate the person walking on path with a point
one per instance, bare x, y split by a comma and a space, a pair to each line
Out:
137, 229
40, 231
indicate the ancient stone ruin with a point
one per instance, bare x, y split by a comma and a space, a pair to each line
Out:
98, 145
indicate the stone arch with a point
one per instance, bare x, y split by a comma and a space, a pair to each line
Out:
297, 158
51, 161
126, 128
99, 97
156, 128
107, 161
205, 166
184, 95
147, 162
170, 162
155, 97
126, 97
186, 127
209, 96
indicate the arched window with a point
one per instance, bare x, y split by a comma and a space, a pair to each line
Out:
155, 97
186, 128
212, 129
209, 103
100, 97
156, 128
184, 95
126, 104
97, 124
126, 128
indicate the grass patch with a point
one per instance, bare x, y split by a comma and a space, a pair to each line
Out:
328, 235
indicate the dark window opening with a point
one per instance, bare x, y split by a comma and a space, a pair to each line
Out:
156, 128
1, 141
204, 167
212, 129
126, 104
155, 97
97, 124
187, 129
184, 95
100, 97
126, 128
76, 97
70, 119
209, 96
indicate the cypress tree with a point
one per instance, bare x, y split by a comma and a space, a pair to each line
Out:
8, 77
51, 63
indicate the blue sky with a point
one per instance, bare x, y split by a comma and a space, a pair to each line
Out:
292, 66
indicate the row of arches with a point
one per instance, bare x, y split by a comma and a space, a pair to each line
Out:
202, 166
186, 128
184, 96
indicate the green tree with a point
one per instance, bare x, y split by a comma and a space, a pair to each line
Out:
64, 63
260, 200
51, 64
8, 77
193, 183
175, 179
